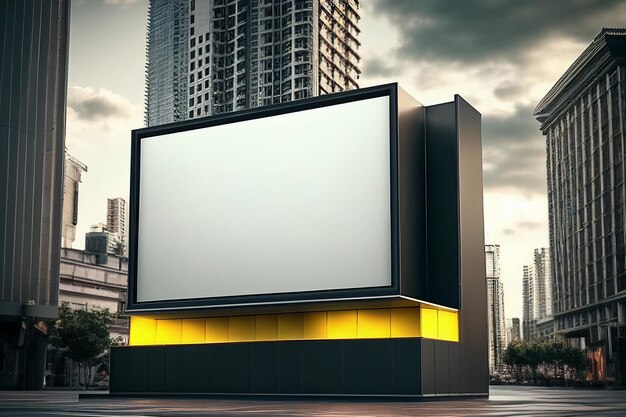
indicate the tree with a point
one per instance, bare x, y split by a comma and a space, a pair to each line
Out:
82, 336
549, 358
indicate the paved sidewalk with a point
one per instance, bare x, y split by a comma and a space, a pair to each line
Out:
503, 401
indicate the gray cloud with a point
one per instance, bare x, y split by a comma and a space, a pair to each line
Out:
530, 225
476, 30
92, 105
508, 90
514, 152
375, 67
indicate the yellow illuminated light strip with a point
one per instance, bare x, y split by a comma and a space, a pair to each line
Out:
430, 323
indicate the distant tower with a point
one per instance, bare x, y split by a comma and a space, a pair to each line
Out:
495, 300
73, 171
116, 220
543, 286
528, 302
512, 330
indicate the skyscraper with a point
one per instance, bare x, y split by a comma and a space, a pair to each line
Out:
116, 220
528, 301
495, 315
513, 331
543, 285
537, 295
583, 118
72, 175
208, 57
33, 87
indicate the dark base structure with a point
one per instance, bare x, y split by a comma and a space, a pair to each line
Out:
388, 367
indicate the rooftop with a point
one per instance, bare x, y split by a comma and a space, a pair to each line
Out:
607, 47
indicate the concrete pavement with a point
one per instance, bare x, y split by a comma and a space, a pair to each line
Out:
503, 401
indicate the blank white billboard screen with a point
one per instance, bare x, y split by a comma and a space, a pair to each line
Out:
289, 203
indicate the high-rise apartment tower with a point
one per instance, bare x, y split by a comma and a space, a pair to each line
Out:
583, 118
209, 57
72, 175
528, 301
495, 314
116, 219
543, 284
536, 294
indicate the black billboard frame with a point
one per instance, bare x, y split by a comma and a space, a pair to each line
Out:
399, 288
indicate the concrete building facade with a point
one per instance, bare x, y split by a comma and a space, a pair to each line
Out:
495, 316
72, 178
209, 57
33, 86
582, 118
88, 283
116, 220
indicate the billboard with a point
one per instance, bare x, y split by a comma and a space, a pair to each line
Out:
293, 202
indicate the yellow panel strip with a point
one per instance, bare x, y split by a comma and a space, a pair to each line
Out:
423, 321
142, 331
374, 324
169, 332
428, 323
194, 331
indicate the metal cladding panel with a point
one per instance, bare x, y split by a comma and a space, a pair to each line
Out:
367, 367
155, 372
442, 368
412, 196
263, 368
230, 368
321, 367
455, 368
196, 368
289, 370
174, 369
442, 205
407, 366
130, 369
429, 369
473, 319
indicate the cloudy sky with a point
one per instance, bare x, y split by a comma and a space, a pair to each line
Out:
500, 55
